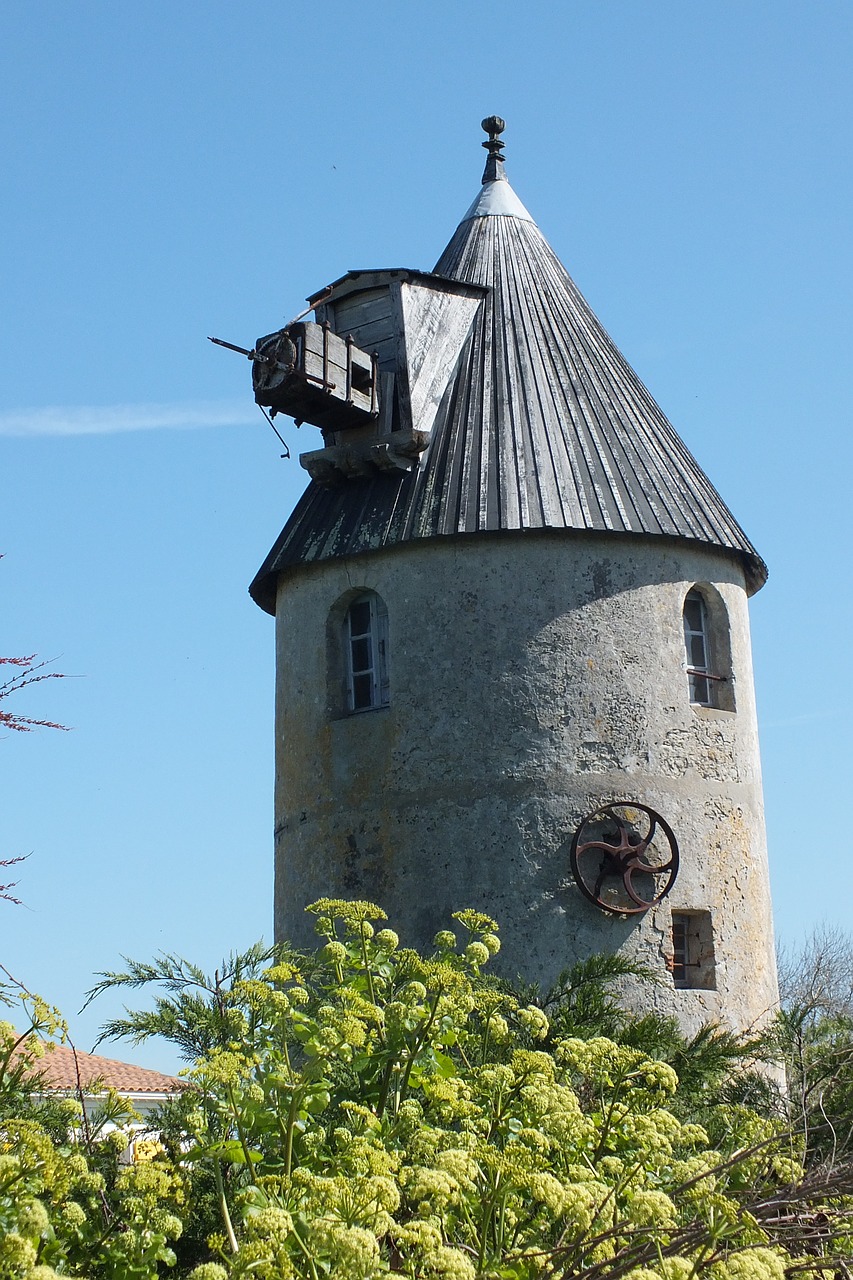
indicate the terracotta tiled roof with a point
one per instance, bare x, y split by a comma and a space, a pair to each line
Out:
60, 1071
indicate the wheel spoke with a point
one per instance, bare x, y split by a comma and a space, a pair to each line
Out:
629, 889
609, 849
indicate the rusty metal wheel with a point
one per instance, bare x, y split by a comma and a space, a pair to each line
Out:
624, 857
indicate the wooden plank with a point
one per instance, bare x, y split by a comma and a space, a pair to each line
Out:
367, 336
386, 403
361, 308
313, 365
387, 354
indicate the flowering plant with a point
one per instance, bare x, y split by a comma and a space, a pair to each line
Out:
370, 1109
67, 1207
367, 1109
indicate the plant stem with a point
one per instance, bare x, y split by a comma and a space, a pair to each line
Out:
223, 1207
291, 1124
240, 1134
418, 1045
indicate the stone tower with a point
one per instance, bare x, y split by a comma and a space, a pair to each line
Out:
512, 641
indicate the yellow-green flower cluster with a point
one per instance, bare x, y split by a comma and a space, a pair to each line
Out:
370, 1110
52, 1200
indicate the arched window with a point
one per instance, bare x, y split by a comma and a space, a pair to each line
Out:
366, 653
708, 649
697, 644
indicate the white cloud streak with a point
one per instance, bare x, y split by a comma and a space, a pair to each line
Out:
114, 419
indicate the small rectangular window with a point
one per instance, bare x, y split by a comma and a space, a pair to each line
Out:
693, 950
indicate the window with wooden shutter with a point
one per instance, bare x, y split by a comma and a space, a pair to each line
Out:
366, 653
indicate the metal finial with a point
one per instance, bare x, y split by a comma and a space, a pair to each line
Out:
494, 127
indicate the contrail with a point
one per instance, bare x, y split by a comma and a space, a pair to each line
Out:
86, 420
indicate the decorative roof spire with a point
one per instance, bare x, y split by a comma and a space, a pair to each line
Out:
494, 169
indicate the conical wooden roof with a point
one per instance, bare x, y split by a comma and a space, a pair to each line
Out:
544, 425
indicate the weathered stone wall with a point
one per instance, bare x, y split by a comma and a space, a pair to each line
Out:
533, 677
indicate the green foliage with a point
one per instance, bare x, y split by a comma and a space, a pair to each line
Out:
374, 1109
819, 1055
199, 1014
814, 1038
59, 1215
66, 1205
585, 999
21, 1052
715, 1067
368, 1109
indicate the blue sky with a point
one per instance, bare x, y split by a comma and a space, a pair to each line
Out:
173, 171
